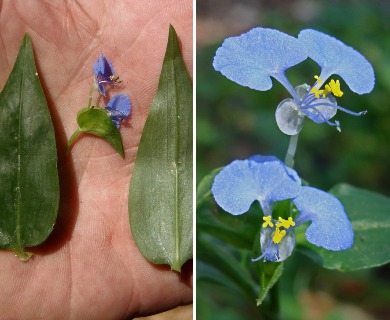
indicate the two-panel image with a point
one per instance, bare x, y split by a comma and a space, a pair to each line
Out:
180, 160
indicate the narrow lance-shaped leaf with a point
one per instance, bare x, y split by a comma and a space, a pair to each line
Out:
160, 199
29, 188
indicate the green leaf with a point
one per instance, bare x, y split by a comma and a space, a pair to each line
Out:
29, 188
97, 121
220, 266
269, 276
160, 199
239, 231
369, 214
203, 192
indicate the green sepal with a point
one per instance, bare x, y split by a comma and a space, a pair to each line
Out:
97, 121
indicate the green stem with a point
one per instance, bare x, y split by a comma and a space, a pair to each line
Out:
90, 95
21, 253
292, 147
72, 138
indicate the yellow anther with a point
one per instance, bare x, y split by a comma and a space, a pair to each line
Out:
326, 91
278, 236
334, 87
267, 222
285, 223
319, 80
115, 79
316, 92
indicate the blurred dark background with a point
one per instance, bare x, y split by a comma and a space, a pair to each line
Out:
234, 122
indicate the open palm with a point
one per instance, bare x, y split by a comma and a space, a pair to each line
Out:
90, 267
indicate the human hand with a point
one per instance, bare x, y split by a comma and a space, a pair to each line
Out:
90, 267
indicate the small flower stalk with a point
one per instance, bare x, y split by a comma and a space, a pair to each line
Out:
104, 122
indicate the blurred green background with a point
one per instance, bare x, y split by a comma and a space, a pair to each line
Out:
235, 122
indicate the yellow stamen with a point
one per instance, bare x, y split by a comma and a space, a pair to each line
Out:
316, 92
319, 80
115, 79
267, 222
278, 236
334, 87
285, 223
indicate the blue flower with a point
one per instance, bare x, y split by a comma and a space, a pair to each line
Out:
267, 180
104, 74
252, 58
118, 108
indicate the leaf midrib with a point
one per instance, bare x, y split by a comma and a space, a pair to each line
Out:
18, 180
177, 153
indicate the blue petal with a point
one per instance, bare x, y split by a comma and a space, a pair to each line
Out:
264, 179
121, 103
116, 122
118, 108
335, 57
103, 67
101, 88
330, 227
253, 57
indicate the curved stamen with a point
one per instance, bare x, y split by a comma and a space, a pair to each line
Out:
104, 80
257, 259
309, 98
333, 124
264, 254
325, 104
358, 114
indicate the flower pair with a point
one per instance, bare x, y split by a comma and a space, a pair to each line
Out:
252, 58
267, 180
119, 106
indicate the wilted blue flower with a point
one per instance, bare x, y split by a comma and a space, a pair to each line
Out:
252, 58
267, 180
104, 74
119, 108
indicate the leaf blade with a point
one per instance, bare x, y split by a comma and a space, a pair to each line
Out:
29, 188
160, 196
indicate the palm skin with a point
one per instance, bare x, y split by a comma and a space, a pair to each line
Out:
90, 267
